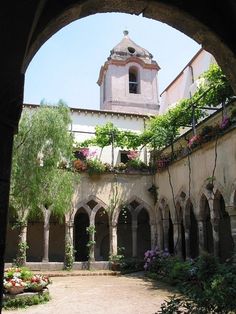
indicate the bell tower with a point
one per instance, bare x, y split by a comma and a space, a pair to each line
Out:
128, 79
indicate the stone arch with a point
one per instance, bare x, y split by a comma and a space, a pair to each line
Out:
56, 239
124, 231
205, 217
160, 230
179, 231
224, 241
99, 204
189, 20
143, 232
191, 233
134, 204
81, 237
168, 232
102, 235
232, 201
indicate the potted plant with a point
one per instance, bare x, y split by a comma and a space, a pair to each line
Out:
38, 282
14, 285
116, 260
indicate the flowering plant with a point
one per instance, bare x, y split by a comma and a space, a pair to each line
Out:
152, 255
224, 123
133, 154
84, 153
194, 141
39, 280
14, 282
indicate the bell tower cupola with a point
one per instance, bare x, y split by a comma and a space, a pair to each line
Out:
128, 79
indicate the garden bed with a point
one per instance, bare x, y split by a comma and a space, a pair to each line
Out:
23, 288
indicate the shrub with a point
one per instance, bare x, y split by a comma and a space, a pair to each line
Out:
95, 166
25, 301
207, 286
132, 264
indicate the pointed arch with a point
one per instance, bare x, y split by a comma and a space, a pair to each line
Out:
226, 244
205, 216
134, 204
192, 234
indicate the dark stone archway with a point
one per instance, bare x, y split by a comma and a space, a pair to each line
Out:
81, 236
124, 232
143, 233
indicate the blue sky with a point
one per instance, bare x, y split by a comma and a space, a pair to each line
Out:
67, 65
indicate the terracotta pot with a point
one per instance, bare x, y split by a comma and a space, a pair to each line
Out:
15, 290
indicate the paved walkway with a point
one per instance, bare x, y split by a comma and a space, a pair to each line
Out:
127, 294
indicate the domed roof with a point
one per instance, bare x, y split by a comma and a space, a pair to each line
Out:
128, 48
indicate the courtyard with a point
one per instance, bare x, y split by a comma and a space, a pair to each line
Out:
127, 294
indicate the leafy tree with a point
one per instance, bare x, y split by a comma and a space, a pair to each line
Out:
110, 135
38, 185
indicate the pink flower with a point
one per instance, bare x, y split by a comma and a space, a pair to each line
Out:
133, 154
196, 139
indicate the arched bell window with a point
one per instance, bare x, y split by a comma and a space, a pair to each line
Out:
133, 81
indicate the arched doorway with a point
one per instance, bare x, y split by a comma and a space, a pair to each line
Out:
143, 233
56, 239
225, 238
160, 229
35, 239
207, 230
170, 235
102, 245
193, 234
191, 226
124, 231
81, 237
180, 245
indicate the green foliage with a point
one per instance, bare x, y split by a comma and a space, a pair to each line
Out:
91, 230
22, 273
25, 301
95, 166
42, 143
136, 164
69, 255
164, 129
220, 89
131, 265
108, 134
21, 254
206, 285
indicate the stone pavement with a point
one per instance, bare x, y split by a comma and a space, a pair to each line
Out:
126, 294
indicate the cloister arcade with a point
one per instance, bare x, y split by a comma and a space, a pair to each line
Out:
187, 229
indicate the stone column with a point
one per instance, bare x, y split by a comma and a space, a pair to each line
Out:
134, 237
177, 239
154, 239
187, 241
201, 228
233, 229
166, 233
46, 228
215, 231
160, 235
113, 239
69, 234
92, 248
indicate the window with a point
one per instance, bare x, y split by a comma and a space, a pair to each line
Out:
133, 81
124, 157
